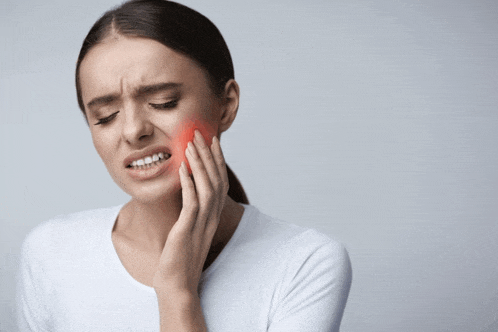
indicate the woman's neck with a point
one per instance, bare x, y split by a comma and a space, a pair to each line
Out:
147, 224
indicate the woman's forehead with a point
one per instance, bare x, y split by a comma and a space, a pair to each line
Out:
132, 62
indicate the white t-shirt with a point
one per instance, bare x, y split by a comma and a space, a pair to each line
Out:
271, 276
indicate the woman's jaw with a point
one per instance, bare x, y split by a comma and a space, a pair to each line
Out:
159, 180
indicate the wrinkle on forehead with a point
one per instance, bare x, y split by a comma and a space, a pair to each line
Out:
121, 66
128, 68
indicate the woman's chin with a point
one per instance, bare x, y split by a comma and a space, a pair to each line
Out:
147, 197
150, 193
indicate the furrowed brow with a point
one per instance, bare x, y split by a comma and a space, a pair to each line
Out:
153, 88
103, 100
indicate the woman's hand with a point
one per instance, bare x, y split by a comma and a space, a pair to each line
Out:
189, 240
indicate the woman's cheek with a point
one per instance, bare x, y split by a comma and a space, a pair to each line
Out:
185, 133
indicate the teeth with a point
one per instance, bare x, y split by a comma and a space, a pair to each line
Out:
147, 161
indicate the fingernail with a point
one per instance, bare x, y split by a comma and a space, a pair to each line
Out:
198, 136
190, 147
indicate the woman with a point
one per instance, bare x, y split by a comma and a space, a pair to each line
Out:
155, 83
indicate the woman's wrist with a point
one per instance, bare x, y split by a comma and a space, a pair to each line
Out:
180, 310
175, 295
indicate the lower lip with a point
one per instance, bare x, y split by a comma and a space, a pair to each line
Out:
149, 173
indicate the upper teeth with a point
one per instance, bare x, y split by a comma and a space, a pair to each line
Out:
150, 159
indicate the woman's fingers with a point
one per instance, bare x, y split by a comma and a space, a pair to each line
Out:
207, 158
206, 169
190, 203
219, 160
203, 185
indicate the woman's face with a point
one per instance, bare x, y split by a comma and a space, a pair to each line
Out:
151, 98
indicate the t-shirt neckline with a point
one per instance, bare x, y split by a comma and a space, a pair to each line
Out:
246, 216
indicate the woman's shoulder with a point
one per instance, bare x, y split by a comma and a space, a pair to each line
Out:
69, 228
287, 255
285, 237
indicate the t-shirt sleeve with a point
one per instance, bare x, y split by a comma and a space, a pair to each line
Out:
31, 309
315, 293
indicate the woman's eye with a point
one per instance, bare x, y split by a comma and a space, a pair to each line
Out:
168, 105
107, 119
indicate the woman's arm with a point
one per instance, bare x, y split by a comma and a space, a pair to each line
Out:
32, 313
189, 241
315, 292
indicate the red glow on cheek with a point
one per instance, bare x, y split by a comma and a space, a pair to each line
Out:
185, 134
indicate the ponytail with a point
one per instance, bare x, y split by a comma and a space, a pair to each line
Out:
235, 190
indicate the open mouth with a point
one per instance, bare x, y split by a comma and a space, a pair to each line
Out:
149, 161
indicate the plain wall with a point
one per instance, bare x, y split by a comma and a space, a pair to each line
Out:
373, 121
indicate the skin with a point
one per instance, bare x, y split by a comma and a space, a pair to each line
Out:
175, 225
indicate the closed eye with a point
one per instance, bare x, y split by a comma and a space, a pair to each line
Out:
107, 119
168, 105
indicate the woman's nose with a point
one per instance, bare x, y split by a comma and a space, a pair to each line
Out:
137, 127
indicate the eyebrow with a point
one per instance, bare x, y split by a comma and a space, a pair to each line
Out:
140, 91
103, 100
153, 88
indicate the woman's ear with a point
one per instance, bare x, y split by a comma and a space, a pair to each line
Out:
230, 105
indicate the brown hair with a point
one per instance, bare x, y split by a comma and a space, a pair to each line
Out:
179, 28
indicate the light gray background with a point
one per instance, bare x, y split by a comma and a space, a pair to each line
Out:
373, 121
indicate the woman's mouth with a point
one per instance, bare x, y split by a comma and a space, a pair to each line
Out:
149, 161
149, 167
